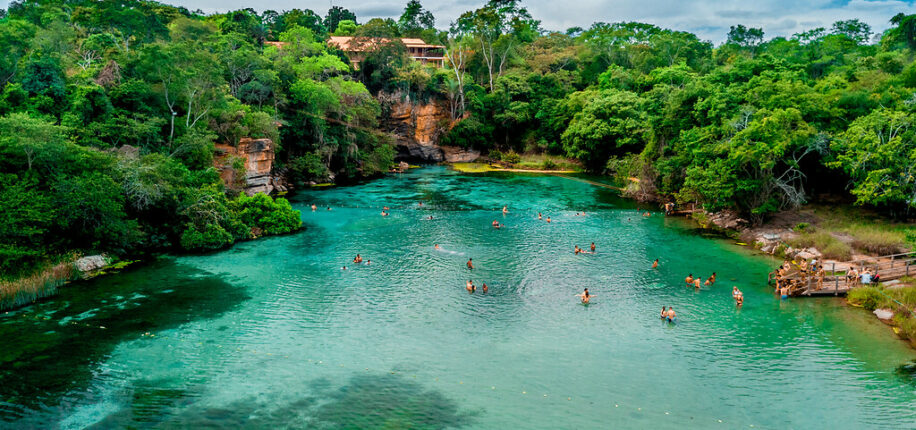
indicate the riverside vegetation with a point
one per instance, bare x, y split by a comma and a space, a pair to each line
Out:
109, 112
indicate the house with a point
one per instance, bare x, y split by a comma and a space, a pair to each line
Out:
417, 49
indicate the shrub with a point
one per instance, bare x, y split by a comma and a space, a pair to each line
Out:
828, 245
549, 165
496, 155
511, 157
837, 251
802, 226
262, 212
867, 297
211, 236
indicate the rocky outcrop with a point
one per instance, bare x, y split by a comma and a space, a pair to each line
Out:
728, 220
248, 166
417, 128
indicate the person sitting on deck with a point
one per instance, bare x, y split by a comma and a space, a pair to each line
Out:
866, 277
852, 276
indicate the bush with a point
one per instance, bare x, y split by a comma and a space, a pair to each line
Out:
801, 227
308, 167
837, 251
211, 236
549, 165
511, 157
270, 216
867, 297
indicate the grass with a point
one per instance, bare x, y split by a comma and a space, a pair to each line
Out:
870, 233
546, 162
473, 167
827, 244
41, 284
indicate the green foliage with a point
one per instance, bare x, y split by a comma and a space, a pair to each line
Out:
266, 214
867, 297
210, 237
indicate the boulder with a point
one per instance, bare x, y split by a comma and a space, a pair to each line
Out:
884, 314
727, 219
805, 255
91, 262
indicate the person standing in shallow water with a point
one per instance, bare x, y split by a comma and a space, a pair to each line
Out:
470, 264
593, 247
585, 296
655, 264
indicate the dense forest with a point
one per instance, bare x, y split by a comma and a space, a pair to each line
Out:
109, 112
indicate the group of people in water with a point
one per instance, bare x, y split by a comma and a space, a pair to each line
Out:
695, 282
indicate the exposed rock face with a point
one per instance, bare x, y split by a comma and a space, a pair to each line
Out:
727, 219
417, 128
257, 158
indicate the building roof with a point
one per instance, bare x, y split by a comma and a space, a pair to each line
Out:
348, 43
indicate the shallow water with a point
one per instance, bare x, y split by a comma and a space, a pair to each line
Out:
273, 334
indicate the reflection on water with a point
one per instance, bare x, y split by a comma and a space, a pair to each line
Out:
273, 334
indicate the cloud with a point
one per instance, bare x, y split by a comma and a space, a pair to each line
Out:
709, 19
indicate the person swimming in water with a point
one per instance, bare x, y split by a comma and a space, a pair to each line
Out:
420, 203
485, 288
430, 218
540, 216
671, 316
495, 223
343, 267
712, 278
385, 208
585, 296
384, 213
470, 265
689, 279
655, 264
368, 261
470, 287
436, 246
505, 209
784, 292
548, 220
664, 313
593, 247
576, 250
329, 208
696, 283
358, 259
314, 207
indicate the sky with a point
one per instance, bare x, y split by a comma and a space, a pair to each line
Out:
709, 19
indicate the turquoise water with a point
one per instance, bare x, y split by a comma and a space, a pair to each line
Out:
273, 334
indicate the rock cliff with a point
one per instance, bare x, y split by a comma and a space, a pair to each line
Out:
417, 128
248, 166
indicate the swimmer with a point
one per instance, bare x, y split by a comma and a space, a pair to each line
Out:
663, 313
655, 264
314, 207
647, 214
358, 259
712, 278
784, 292
671, 316
470, 265
689, 279
495, 223
430, 218
539, 215
368, 262
485, 288
585, 296
470, 287
343, 268
593, 247
505, 209
577, 250
329, 208
500, 226
735, 291
436, 246
420, 203
739, 300
385, 208
548, 220
384, 213
696, 283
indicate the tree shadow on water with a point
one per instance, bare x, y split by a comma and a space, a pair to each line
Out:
52, 348
366, 402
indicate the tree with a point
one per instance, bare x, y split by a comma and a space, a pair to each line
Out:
335, 15
854, 29
878, 151
346, 28
610, 122
415, 19
745, 37
905, 30
497, 27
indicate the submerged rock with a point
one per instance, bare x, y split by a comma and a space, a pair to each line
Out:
884, 314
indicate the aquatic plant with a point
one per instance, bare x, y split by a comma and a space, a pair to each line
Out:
40, 284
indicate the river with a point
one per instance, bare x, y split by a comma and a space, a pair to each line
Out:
274, 334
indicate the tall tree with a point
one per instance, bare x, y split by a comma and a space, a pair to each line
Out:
415, 19
335, 15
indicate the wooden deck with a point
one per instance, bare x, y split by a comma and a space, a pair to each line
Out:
889, 267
